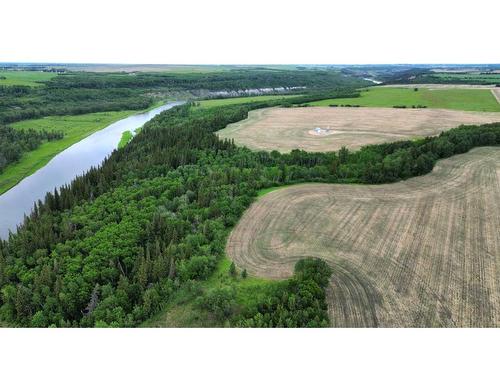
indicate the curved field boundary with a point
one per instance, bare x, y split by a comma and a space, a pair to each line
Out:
420, 253
285, 129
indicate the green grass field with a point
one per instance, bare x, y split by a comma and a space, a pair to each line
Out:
265, 191
268, 190
244, 99
458, 99
182, 311
125, 139
75, 128
25, 78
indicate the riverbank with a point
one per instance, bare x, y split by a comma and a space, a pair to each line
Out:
65, 166
75, 129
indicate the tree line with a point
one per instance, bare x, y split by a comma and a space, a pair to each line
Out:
14, 143
236, 79
296, 302
84, 92
19, 103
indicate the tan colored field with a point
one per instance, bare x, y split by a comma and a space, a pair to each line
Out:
420, 253
496, 93
285, 129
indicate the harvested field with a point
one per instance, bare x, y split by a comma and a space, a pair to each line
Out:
285, 129
420, 253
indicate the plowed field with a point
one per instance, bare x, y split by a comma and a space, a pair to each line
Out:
420, 253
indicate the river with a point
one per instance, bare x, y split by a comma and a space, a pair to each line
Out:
65, 166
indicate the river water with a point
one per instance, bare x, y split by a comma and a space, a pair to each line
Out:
65, 166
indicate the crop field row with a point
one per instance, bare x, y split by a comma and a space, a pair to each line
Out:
420, 253
328, 129
455, 98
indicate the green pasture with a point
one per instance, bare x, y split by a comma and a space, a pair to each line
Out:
457, 99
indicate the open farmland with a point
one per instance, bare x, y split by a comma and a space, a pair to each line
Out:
24, 78
327, 129
133, 68
435, 86
463, 99
420, 253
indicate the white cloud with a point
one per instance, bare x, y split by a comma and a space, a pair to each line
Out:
246, 32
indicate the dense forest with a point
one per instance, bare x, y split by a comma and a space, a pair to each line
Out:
22, 102
113, 248
250, 78
13, 143
78, 93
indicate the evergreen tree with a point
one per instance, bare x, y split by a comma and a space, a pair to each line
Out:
232, 269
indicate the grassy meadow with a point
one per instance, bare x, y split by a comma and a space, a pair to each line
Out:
125, 139
457, 99
24, 78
